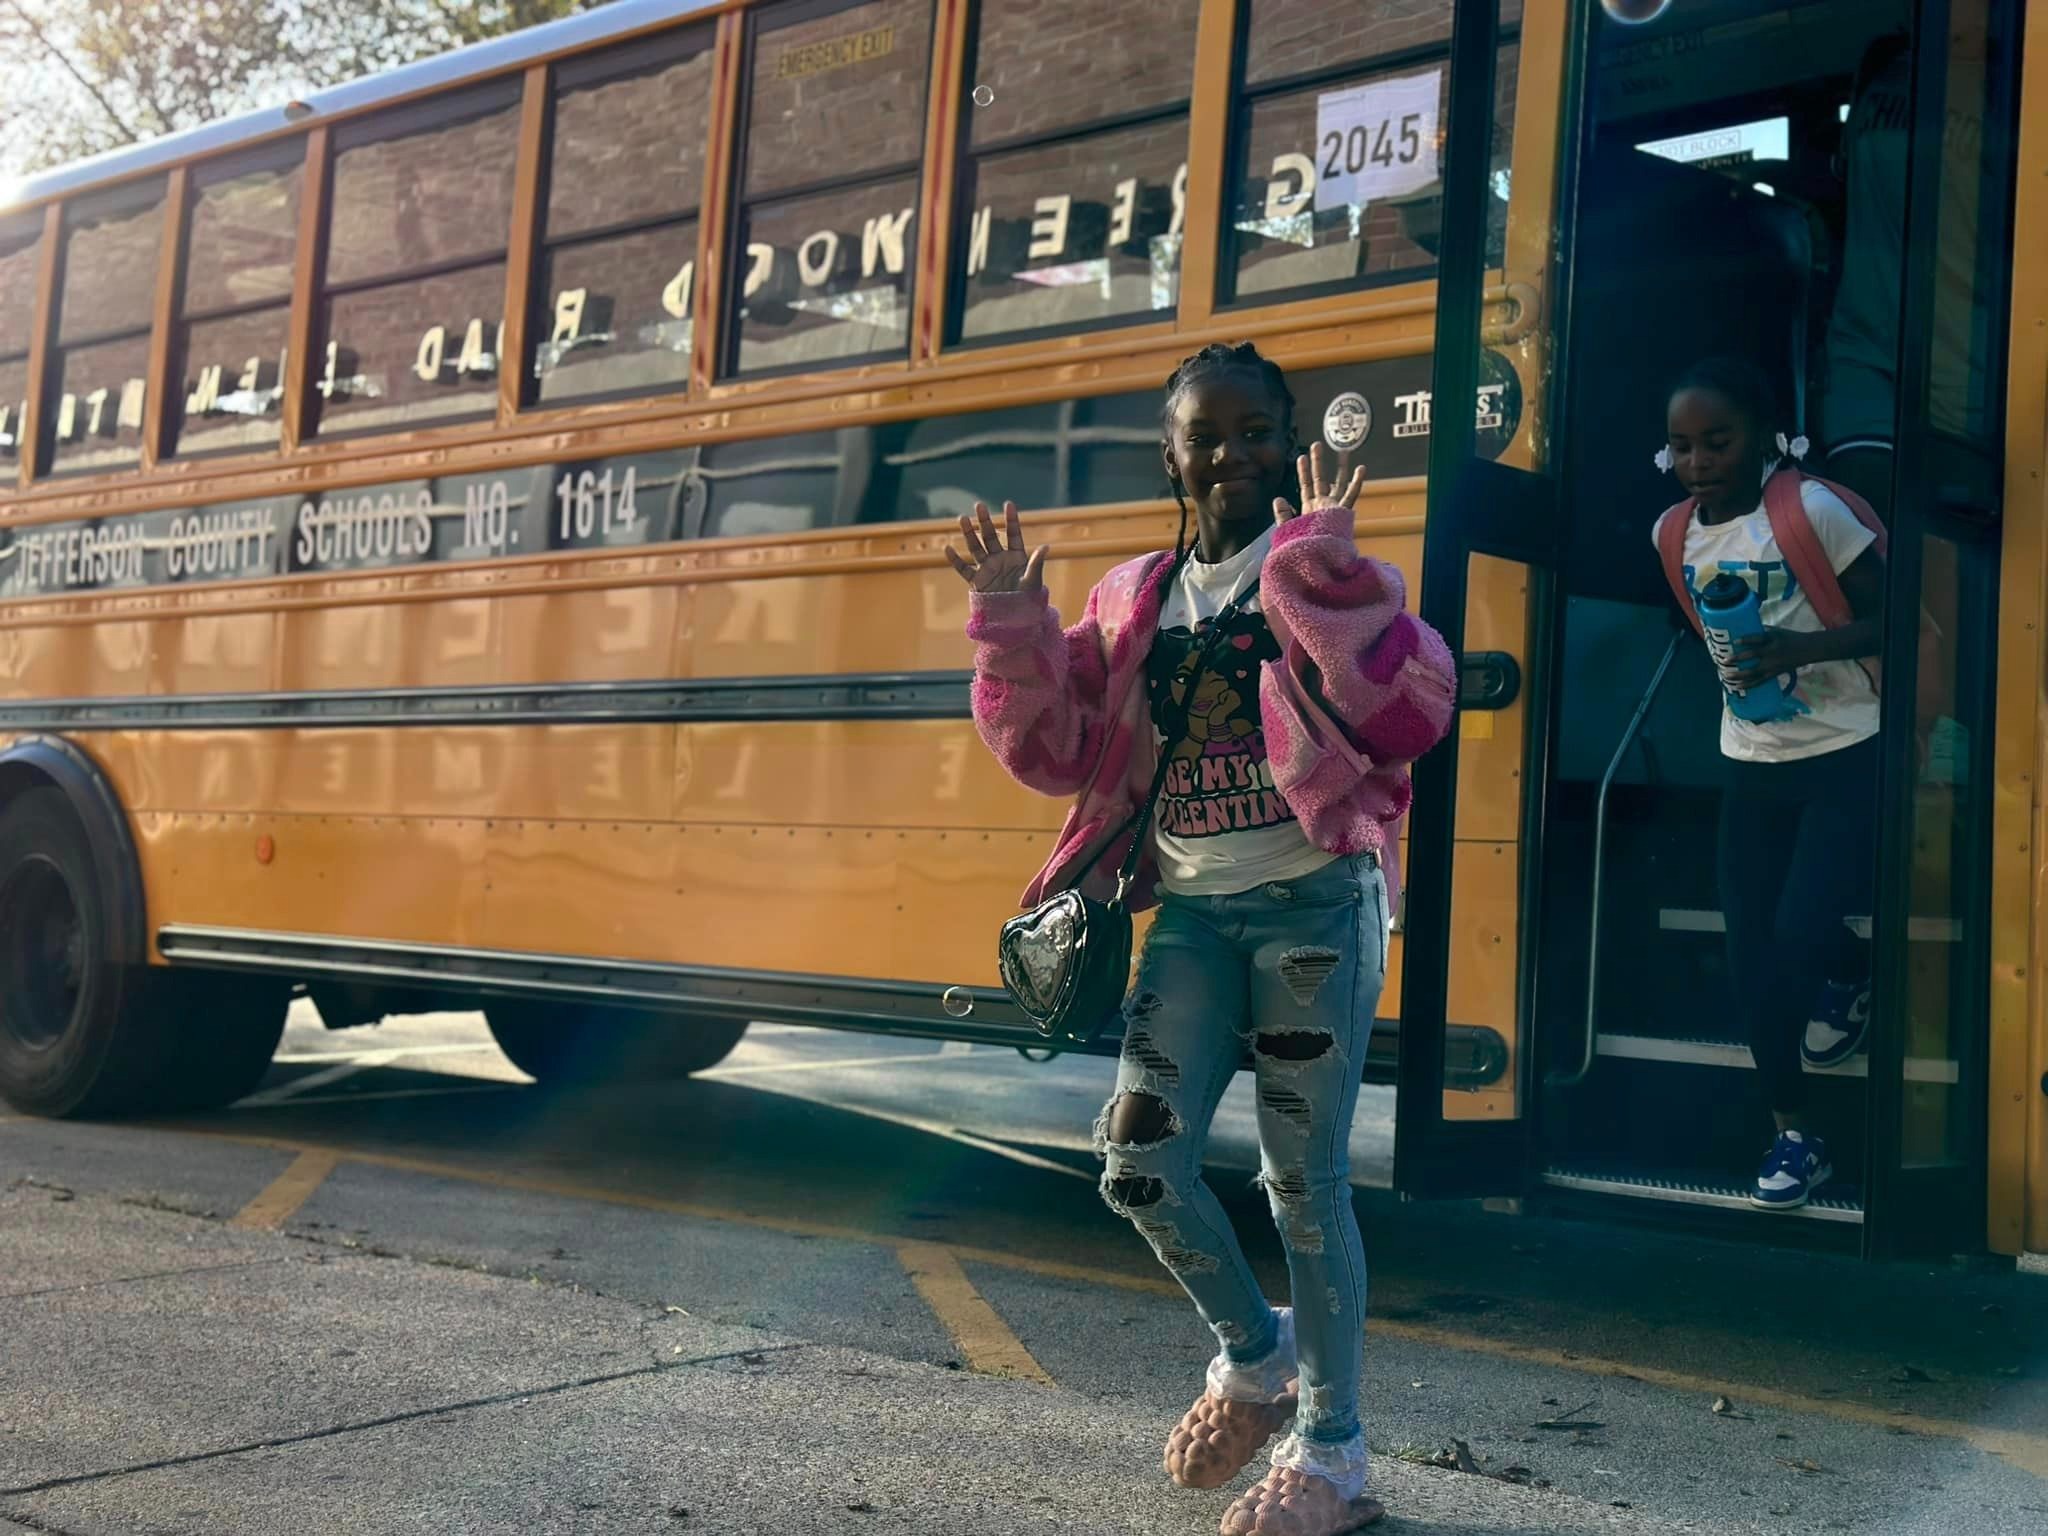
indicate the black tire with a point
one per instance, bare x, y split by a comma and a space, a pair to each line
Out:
76, 1036
573, 1044
224, 1031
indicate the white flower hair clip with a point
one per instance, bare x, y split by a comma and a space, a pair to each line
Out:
1795, 446
1664, 460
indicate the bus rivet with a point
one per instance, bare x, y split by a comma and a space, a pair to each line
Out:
266, 849
957, 1001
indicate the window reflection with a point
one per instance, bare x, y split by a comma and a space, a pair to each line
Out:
837, 96
13, 407
1075, 233
433, 352
620, 315
836, 91
1339, 183
228, 356
827, 278
412, 316
618, 266
1064, 64
19, 245
97, 396
229, 374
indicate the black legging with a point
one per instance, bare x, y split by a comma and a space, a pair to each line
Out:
1796, 851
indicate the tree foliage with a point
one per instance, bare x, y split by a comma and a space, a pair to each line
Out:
84, 76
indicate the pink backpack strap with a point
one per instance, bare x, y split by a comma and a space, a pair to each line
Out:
1671, 549
1809, 562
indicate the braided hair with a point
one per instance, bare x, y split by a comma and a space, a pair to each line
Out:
1213, 361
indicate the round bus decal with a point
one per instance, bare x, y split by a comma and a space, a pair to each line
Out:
1348, 421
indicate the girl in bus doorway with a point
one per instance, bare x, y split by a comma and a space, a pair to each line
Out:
1799, 721
1272, 861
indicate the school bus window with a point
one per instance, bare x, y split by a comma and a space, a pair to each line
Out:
1340, 181
1078, 233
1068, 221
837, 91
619, 258
18, 262
836, 99
1285, 39
1065, 64
235, 308
827, 277
99, 371
413, 302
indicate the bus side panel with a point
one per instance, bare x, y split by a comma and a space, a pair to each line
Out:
63, 661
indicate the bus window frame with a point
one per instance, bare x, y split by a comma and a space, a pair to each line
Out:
966, 156
45, 373
406, 119
1236, 164
284, 155
593, 69
30, 224
735, 205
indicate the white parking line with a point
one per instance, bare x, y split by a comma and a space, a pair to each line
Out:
391, 1054
948, 1133
751, 1069
312, 1080
469, 1086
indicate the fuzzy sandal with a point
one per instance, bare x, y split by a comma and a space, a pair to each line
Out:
1217, 1438
1287, 1502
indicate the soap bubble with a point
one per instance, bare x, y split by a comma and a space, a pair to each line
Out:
984, 95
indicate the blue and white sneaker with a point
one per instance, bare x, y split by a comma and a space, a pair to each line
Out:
1841, 1019
1796, 1167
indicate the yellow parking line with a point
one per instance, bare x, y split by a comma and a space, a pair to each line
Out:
984, 1338
2026, 1451
287, 1192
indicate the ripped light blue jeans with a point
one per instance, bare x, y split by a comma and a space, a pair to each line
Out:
1294, 970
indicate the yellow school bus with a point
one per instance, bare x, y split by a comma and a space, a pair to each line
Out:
474, 537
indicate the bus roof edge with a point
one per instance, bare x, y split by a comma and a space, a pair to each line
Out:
475, 61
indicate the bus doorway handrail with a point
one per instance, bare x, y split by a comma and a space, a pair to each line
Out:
1589, 1042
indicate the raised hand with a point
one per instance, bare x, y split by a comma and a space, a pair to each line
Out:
997, 562
1318, 494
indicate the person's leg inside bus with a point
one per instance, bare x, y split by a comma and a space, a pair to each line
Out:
1318, 964
1759, 827
1831, 880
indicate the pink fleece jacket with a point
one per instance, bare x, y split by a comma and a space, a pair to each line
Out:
1361, 689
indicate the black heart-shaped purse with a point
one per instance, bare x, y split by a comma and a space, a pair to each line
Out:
1067, 962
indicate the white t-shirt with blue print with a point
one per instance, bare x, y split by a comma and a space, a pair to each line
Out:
1837, 703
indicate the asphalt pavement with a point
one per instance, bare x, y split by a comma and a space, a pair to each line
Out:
848, 1283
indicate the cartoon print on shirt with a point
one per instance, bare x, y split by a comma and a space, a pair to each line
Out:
1219, 780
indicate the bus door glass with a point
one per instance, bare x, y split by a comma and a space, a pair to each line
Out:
1488, 538
1934, 161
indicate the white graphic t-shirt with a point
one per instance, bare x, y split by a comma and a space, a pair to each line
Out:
1221, 826
1836, 701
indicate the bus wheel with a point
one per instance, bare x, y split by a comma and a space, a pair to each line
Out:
575, 1043
76, 1037
226, 1029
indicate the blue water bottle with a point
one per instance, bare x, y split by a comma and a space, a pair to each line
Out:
1729, 614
